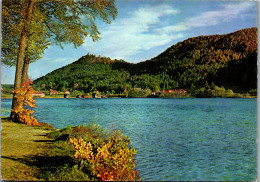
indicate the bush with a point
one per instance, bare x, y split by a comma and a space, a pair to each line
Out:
219, 91
229, 93
253, 91
110, 160
74, 93
216, 92
138, 92
24, 98
46, 125
104, 155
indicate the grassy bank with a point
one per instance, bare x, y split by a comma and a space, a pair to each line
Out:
20, 145
44, 153
6, 96
28, 153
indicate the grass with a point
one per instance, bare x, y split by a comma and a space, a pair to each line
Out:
18, 142
6, 95
28, 154
54, 96
45, 153
58, 96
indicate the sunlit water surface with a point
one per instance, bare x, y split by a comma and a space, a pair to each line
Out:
176, 139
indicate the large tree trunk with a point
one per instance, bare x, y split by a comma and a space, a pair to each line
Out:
20, 56
25, 69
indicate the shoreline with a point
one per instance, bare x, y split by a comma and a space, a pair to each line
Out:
46, 155
246, 97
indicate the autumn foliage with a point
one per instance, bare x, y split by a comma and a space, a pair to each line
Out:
112, 159
25, 100
229, 60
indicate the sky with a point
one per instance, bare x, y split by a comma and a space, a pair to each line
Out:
145, 28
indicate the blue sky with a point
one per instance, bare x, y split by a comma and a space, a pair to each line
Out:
145, 28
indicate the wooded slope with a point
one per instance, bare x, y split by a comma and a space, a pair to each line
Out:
228, 60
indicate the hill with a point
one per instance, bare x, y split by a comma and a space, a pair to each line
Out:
228, 60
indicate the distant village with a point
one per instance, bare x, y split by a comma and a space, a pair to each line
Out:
97, 94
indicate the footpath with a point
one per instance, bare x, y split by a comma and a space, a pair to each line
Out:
20, 145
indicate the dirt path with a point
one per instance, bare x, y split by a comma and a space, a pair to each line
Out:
19, 145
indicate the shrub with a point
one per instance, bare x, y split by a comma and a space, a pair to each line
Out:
74, 93
112, 159
237, 95
100, 154
47, 125
219, 91
137, 92
229, 93
53, 135
24, 98
216, 92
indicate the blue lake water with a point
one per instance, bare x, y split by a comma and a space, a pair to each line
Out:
177, 139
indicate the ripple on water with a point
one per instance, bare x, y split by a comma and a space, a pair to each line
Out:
176, 139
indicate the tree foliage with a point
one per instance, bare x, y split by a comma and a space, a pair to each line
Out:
25, 99
225, 60
228, 60
29, 26
13, 21
54, 21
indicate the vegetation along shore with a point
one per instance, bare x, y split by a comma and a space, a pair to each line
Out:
209, 92
46, 153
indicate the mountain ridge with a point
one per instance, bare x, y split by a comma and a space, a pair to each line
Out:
194, 62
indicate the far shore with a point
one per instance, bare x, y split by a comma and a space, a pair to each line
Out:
243, 96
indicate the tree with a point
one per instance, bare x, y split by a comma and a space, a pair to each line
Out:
64, 21
21, 55
12, 21
25, 99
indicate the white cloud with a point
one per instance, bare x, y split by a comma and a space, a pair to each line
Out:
136, 33
146, 28
227, 13
151, 14
174, 28
210, 18
59, 60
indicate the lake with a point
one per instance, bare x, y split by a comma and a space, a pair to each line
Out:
176, 139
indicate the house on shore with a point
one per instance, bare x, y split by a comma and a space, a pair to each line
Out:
95, 94
165, 91
38, 94
53, 92
176, 92
67, 94
82, 96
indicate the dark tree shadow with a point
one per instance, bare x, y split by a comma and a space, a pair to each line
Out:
50, 164
43, 161
46, 164
41, 135
50, 141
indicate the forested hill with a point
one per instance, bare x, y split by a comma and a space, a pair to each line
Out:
228, 60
